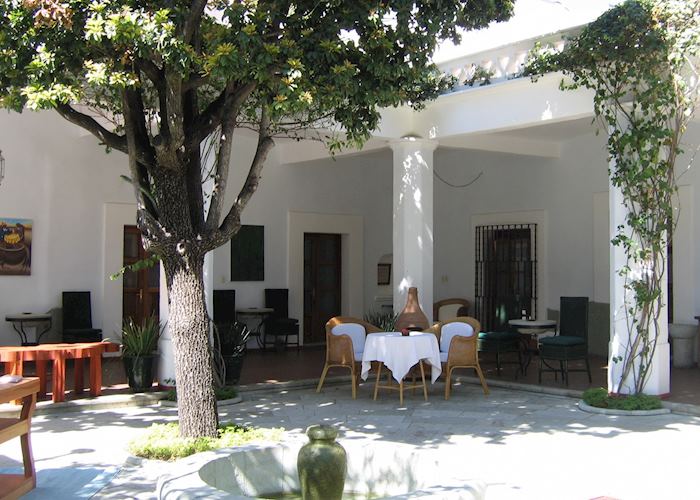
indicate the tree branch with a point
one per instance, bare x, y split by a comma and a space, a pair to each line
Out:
195, 82
223, 159
114, 141
146, 210
152, 71
228, 102
193, 20
193, 159
232, 221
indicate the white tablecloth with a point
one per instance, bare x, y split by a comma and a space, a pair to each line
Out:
400, 353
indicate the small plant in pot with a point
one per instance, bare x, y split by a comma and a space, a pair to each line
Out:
232, 339
140, 351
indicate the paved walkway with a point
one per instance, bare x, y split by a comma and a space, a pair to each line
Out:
523, 445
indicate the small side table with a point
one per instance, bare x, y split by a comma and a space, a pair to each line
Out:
16, 485
19, 321
259, 313
529, 329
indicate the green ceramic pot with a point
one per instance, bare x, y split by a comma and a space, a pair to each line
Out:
322, 465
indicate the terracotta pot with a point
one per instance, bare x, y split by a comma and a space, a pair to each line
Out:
412, 317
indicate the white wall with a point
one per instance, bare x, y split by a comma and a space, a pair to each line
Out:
62, 180
59, 178
357, 186
561, 187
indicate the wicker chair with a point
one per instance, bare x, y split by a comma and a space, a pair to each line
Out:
457, 339
345, 341
448, 308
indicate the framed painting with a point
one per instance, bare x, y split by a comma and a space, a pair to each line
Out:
248, 254
15, 247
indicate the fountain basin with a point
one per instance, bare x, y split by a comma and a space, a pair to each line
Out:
375, 470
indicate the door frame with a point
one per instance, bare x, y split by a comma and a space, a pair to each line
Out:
116, 216
351, 229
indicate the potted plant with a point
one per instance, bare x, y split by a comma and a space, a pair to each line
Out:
232, 339
386, 320
139, 351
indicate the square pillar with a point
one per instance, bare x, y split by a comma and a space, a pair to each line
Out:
658, 381
413, 221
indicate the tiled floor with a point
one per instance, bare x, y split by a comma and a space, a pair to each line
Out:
307, 363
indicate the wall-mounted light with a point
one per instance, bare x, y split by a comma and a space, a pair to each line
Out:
2, 167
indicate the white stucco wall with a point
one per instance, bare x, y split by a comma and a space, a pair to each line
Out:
59, 178
358, 186
62, 180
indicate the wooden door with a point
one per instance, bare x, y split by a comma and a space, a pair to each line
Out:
141, 289
322, 261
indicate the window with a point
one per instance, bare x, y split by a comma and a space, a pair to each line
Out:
505, 274
248, 254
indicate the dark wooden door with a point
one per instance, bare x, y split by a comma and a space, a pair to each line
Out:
322, 262
141, 289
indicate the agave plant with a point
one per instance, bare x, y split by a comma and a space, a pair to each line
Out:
382, 319
141, 339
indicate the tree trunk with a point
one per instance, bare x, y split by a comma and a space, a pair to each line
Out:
188, 323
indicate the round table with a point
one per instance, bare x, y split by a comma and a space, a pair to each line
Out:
260, 313
532, 329
399, 353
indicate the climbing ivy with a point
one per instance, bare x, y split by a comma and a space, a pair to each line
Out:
640, 59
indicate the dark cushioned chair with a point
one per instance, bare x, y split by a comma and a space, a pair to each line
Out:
571, 343
224, 307
501, 343
77, 319
278, 324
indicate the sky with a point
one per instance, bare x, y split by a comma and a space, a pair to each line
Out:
532, 18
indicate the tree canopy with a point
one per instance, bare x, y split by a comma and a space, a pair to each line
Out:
155, 79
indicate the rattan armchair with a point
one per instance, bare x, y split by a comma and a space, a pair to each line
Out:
449, 308
457, 339
345, 341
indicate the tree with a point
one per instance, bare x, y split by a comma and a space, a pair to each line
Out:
157, 79
640, 58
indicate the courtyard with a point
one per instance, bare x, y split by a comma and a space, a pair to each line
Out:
520, 444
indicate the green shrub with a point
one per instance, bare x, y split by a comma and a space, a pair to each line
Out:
600, 398
141, 340
221, 393
163, 441
384, 320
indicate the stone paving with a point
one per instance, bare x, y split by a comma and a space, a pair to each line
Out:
523, 445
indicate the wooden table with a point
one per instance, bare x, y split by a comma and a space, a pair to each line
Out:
16, 485
15, 356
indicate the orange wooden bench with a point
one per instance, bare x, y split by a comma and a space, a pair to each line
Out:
15, 356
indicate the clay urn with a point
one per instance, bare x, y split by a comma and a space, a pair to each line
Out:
412, 317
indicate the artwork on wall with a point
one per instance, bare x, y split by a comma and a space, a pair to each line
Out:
248, 254
15, 247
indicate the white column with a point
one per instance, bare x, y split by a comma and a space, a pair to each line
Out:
659, 378
413, 221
